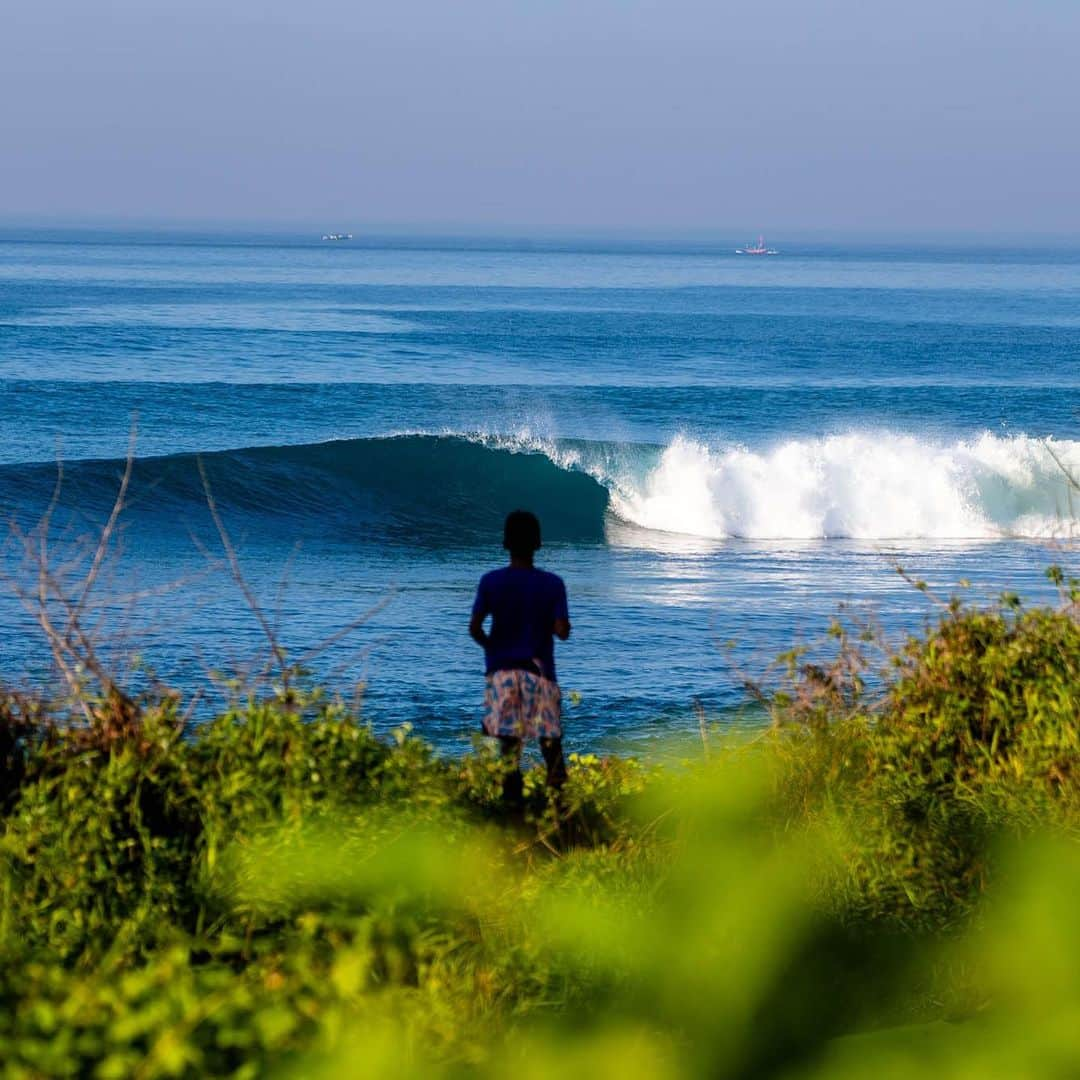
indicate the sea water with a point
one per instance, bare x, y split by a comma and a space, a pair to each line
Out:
724, 452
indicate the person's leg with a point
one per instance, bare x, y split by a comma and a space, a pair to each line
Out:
553, 758
513, 785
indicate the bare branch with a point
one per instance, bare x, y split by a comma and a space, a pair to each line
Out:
347, 629
1073, 483
277, 652
279, 599
105, 536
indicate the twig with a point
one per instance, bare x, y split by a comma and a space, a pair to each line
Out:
105, 537
700, 709
347, 629
277, 652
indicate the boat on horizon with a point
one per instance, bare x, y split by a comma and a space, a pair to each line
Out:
337, 236
760, 249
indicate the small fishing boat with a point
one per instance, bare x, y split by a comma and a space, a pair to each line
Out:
758, 249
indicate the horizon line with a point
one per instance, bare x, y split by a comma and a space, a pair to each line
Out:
705, 235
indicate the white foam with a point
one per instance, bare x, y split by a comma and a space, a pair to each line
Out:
863, 486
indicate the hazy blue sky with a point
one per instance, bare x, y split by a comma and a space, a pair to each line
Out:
851, 115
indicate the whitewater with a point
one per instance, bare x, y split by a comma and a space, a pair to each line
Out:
859, 487
725, 453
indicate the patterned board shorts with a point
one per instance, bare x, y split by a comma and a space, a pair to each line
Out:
522, 705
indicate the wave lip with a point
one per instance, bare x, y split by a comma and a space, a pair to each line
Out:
859, 486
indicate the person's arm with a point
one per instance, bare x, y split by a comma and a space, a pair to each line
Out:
476, 630
560, 627
479, 614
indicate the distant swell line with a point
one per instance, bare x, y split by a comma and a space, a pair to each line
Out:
454, 489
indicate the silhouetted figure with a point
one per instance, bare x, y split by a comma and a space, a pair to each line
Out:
528, 610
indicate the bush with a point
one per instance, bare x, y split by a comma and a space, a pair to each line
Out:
975, 732
103, 832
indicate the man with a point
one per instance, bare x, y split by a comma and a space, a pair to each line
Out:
528, 610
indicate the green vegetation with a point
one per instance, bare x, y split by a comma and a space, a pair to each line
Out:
883, 882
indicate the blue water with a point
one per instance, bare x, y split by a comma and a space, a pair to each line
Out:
722, 449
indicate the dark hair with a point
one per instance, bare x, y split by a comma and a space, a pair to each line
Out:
521, 533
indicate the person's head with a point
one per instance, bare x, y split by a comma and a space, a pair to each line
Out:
521, 534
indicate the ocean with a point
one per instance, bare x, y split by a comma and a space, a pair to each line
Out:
725, 453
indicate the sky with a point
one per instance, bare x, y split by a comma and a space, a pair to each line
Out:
923, 116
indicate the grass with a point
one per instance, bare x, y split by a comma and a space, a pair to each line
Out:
884, 883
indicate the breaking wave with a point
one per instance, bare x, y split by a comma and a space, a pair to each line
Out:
454, 489
859, 486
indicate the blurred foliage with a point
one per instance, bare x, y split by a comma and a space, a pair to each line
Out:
882, 883
975, 734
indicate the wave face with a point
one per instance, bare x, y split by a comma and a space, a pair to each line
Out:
422, 489
452, 489
859, 486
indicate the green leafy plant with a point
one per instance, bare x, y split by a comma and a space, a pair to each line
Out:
278, 888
